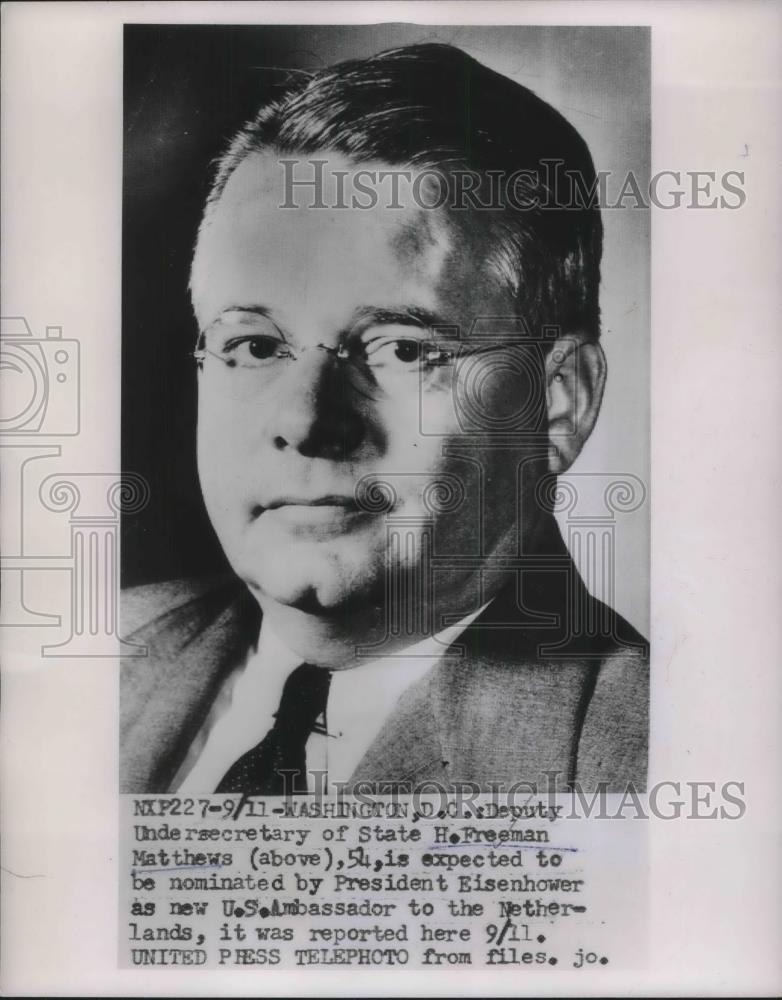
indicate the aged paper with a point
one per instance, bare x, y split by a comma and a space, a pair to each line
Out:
388, 578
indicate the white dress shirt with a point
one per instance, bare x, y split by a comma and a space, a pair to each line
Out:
360, 700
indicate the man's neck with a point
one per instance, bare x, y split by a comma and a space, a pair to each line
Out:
341, 641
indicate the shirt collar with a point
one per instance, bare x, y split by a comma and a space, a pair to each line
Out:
365, 693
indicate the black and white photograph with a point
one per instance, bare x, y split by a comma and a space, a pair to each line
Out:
389, 453
366, 278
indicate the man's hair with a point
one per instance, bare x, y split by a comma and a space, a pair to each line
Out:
433, 107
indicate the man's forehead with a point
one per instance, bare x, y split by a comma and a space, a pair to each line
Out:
364, 248
262, 186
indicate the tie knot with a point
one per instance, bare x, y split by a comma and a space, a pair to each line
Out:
304, 698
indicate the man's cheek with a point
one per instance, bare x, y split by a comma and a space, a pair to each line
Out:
410, 450
224, 445
223, 490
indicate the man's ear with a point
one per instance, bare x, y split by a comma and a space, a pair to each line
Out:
575, 379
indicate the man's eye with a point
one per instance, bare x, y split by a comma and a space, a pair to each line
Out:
263, 347
396, 352
407, 351
250, 350
407, 354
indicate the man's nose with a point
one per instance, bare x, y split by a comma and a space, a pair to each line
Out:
315, 409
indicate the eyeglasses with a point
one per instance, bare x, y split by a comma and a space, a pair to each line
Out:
394, 366
251, 355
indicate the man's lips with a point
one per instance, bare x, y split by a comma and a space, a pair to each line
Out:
330, 510
328, 500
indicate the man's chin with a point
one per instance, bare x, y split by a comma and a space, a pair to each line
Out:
328, 592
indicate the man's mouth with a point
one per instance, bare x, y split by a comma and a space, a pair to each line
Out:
328, 500
327, 511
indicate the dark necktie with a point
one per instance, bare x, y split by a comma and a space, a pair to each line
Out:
283, 748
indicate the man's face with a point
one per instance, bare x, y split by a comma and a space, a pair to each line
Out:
282, 444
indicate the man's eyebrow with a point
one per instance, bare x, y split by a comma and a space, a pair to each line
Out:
252, 308
403, 316
363, 316
259, 310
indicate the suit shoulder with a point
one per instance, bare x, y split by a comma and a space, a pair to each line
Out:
623, 679
614, 740
617, 637
142, 605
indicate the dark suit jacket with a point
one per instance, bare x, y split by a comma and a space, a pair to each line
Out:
546, 680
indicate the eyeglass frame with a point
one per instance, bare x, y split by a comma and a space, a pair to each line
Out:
340, 353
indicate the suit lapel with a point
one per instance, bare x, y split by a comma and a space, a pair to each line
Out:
496, 707
483, 720
408, 748
166, 695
